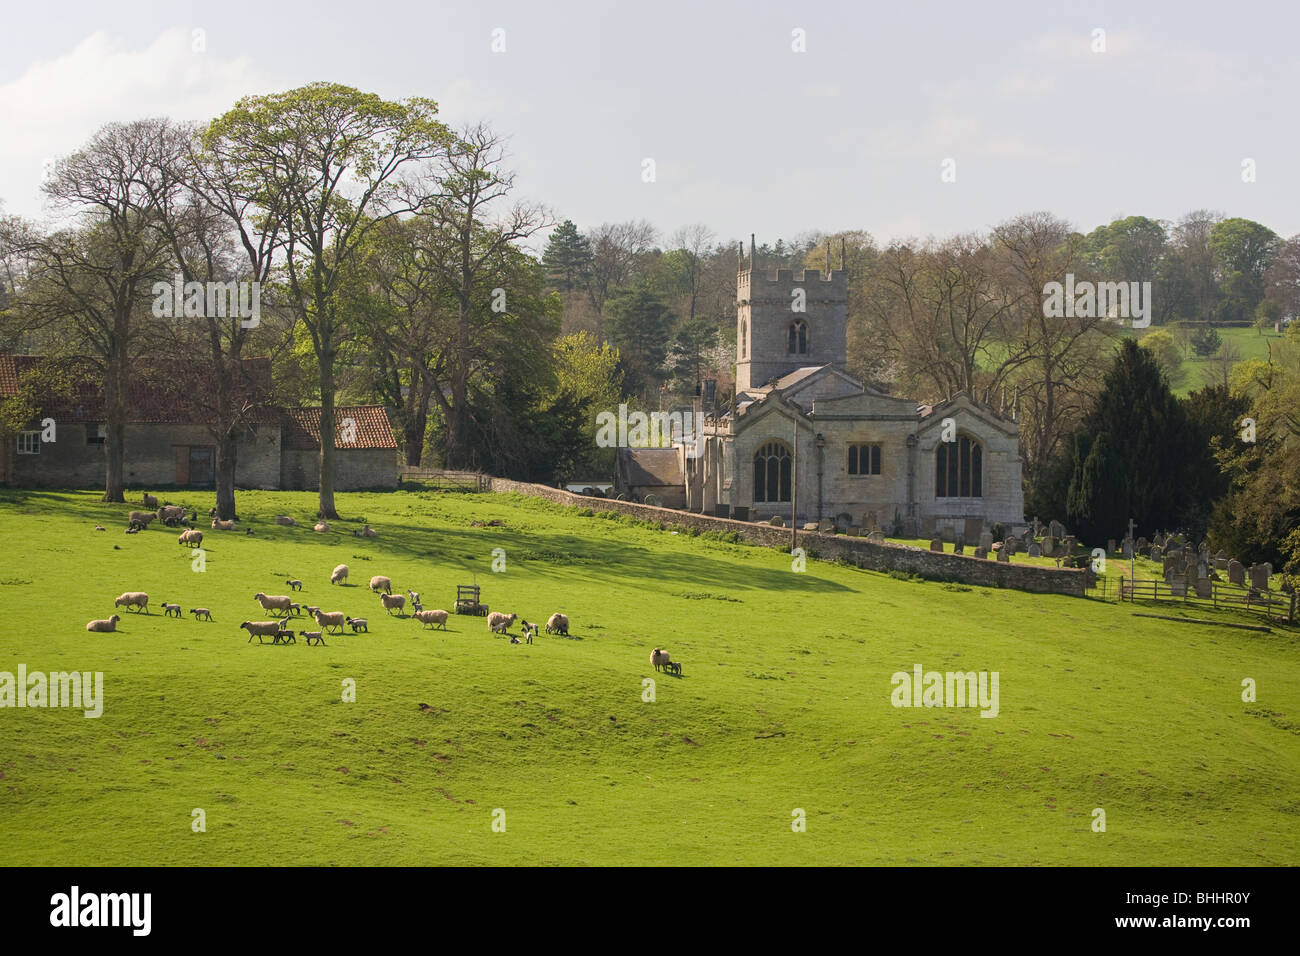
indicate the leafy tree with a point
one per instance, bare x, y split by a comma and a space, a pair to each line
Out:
688, 356
1206, 341
1164, 347
640, 325
1243, 251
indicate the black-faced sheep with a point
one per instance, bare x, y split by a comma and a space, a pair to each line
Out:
149, 500
294, 584
358, 624
109, 624
659, 658
500, 623
193, 537
136, 599
142, 518
171, 610
558, 623
366, 532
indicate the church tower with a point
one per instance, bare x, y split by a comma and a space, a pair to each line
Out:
787, 320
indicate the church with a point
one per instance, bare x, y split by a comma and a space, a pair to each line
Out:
803, 434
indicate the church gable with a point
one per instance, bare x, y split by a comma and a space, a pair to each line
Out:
967, 414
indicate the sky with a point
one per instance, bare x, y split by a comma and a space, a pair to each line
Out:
761, 117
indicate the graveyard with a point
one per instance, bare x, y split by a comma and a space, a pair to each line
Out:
460, 747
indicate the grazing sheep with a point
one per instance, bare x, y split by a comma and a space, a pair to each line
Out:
659, 658
328, 619
142, 518
261, 629
312, 637
220, 525
294, 584
149, 500
171, 610
273, 602
530, 631
321, 526
104, 625
390, 601
379, 581
358, 624
170, 514
201, 613
339, 574
193, 537
135, 599
438, 618
500, 623
558, 623
286, 521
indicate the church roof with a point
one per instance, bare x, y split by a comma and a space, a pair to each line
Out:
651, 466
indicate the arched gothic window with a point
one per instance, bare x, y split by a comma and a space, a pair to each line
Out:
772, 472
798, 338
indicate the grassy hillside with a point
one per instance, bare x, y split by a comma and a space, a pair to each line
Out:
784, 704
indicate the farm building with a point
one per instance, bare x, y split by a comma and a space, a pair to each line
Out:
168, 441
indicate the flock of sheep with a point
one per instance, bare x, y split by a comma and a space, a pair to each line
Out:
327, 621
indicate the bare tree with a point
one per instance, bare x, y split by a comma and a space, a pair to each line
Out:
615, 249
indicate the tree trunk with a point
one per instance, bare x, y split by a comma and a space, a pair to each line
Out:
327, 437
414, 436
115, 426
226, 460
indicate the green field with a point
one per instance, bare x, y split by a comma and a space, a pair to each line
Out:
784, 704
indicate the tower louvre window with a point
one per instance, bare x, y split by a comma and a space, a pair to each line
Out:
798, 338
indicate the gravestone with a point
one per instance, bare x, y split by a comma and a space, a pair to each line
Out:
1056, 529
1178, 586
869, 520
1222, 554
1035, 550
1204, 588
1143, 544
854, 531
777, 521
936, 544
1068, 545
1236, 572
825, 524
986, 540
959, 547
1156, 554
1128, 547
876, 537
1159, 540
927, 526
1011, 545
1004, 556
1110, 546
1220, 563
946, 533
981, 552
1171, 561
1203, 565
973, 527
1259, 577
1049, 546
1269, 565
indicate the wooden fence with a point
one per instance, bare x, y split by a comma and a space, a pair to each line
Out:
1274, 605
443, 480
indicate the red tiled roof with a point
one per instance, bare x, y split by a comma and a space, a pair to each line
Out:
8, 374
373, 429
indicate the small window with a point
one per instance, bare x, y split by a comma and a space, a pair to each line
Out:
864, 459
29, 443
95, 434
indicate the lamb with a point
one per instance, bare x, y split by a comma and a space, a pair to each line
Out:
295, 609
530, 631
260, 629
339, 574
273, 602
135, 599
390, 601
220, 525
415, 596
558, 623
311, 609
379, 581
328, 619
212, 512
171, 610
100, 527
426, 618
312, 636
358, 624
659, 658
104, 625
675, 667
500, 623
283, 636
193, 537
201, 613
286, 521
149, 500
366, 532
294, 584
321, 526
170, 514
142, 518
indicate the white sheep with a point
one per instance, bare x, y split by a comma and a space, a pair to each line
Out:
171, 610
558, 623
312, 636
328, 619
135, 599
193, 537
427, 618
273, 602
391, 601
149, 500
379, 581
220, 525
659, 658
530, 631
260, 629
168, 514
358, 624
415, 596
109, 624
366, 532
321, 526
339, 574
141, 518
500, 623
201, 613
286, 521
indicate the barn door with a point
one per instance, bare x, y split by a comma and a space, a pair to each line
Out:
182, 464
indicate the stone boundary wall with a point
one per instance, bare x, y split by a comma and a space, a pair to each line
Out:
858, 551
